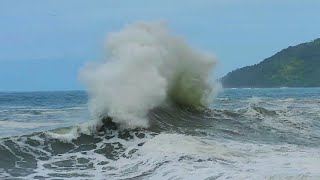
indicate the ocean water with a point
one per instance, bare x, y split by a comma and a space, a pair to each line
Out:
244, 134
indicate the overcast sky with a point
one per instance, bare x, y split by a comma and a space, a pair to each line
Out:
43, 44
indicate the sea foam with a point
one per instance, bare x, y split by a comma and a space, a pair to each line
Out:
147, 66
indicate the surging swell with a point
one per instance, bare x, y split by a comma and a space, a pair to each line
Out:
51, 154
147, 66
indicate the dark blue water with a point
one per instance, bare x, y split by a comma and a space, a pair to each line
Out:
246, 134
26, 112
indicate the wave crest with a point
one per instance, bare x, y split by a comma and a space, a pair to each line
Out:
147, 66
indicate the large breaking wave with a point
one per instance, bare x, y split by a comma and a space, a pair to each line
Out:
240, 137
147, 66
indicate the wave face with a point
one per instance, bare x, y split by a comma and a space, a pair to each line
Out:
146, 67
243, 134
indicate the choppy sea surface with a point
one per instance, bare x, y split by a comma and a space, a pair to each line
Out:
245, 134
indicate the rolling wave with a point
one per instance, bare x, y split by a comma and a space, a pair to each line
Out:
147, 66
181, 141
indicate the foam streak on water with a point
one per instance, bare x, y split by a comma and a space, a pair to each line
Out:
166, 156
157, 89
247, 134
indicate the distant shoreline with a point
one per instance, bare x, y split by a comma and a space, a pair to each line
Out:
295, 66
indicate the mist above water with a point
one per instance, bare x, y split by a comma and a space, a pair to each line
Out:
147, 66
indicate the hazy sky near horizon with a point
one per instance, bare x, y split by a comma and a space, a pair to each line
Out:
43, 44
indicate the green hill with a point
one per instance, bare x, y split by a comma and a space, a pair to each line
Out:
296, 66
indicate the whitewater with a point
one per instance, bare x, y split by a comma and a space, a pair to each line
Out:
147, 66
173, 120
